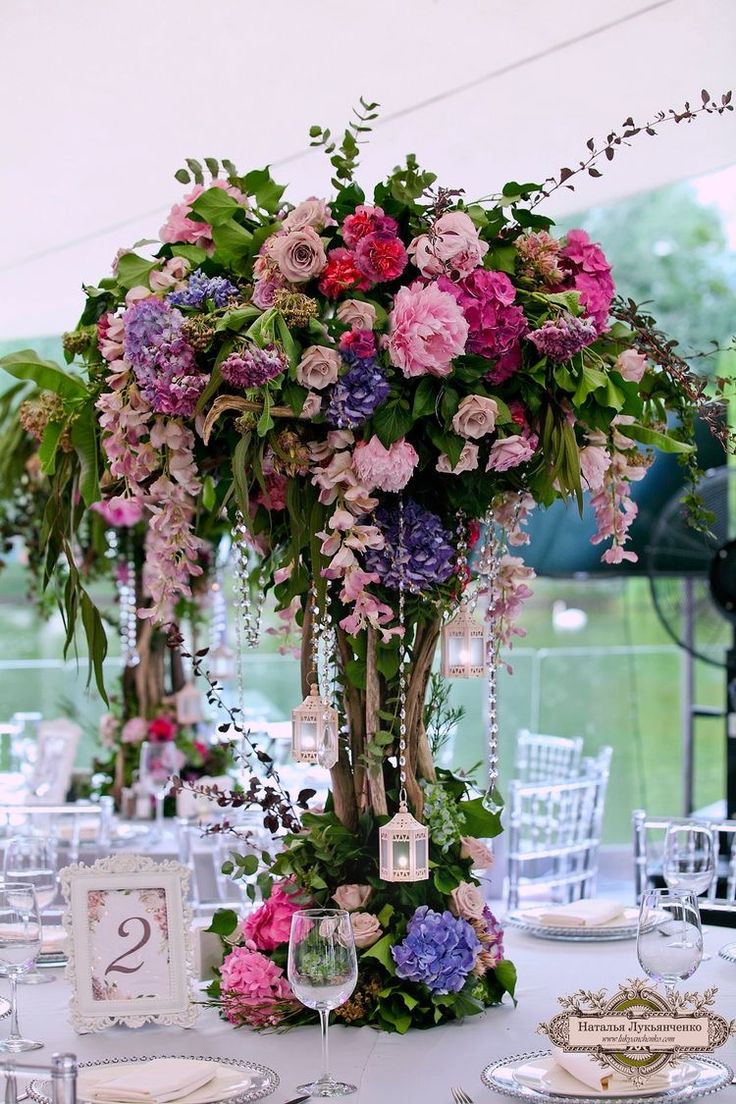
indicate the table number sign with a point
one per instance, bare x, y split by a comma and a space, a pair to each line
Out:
638, 1031
130, 951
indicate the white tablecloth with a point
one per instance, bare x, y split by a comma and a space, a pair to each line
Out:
417, 1068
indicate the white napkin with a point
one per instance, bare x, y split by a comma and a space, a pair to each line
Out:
588, 913
156, 1082
583, 1068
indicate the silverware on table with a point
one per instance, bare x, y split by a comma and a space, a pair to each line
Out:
461, 1097
298, 1099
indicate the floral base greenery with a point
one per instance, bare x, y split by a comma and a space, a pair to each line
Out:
428, 952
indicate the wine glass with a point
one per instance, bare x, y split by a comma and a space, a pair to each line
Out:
669, 941
689, 861
32, 859
20, 946
159, 761
323, 971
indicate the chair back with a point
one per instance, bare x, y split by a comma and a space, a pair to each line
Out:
62, 1070
554, 832
52, 772
541, 758
649, 837
71, 826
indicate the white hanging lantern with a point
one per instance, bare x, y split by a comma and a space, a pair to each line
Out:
403, 849
222, 663
314, 731
189, 705
464, 647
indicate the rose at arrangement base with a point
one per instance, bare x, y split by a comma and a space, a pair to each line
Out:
475, 850
467, 901
351, 897
367, 929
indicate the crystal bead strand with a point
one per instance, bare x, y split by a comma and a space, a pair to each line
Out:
247, 614
490, 563
403, 803
132, 659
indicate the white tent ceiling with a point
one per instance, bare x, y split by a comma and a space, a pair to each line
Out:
103, 101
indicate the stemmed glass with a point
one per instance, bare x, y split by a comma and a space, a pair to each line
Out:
669, 941
158, 763
323, 971
689, 862
32, 859
20, 946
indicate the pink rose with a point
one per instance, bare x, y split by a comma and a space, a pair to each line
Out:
108, 729
299, 255
475, 416
253, 987
427, 329
269, 926
453, 245
312, 405
468, 461
357, 314
467, 901
509, 452
472, 848
312, 212
594, 463
352, 896
134, 731
631, 365
387, 469
120, 511
318, 367
366, 929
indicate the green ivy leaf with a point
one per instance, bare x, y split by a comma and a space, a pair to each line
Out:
133, 270
96, 641
478, 821
267, 193
381, 951
392, 420
425, 398
233, 243
506, 974
224, 922
215, 206
662, 441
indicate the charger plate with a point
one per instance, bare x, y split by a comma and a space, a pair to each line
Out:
528, 921
235, 1082
711, 1077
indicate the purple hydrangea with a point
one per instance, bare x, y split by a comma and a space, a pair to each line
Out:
357, 394
162, 359
200, 288
495, 930
562, 338
439, 950
250, 366
428, 554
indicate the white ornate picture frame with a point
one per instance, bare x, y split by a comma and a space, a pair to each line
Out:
130, 945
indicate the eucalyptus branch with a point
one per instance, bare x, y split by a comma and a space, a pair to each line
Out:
607, 147
344, 158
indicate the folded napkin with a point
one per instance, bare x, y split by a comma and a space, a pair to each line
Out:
588, 913
53, 938
155, 1082
584, 1068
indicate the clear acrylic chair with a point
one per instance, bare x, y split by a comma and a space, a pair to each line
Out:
554, 833
61, 1071
649, 837
541, 758
72, 826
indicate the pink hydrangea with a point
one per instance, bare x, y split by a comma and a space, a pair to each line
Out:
254, 989
589, 272
427, 329
487, 298
269, 925
385, 469
180, 228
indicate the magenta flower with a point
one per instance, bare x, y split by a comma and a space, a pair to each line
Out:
487, 300
381, 256
589, 273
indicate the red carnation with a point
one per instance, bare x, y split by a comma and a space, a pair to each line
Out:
366, 220
162, 730
341, 273
381, 256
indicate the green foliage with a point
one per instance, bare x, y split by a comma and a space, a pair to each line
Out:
344, 158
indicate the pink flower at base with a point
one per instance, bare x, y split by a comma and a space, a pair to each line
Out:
427, 330
120, 511
134, 731
509, 452
310, 212
473, 849
367, 929
269, 925
387, 469
253, 988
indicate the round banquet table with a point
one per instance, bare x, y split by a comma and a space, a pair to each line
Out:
416, 1068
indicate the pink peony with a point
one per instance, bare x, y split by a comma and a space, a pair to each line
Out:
364, 221
475, 416
487, 299
356, 314
453, 247
588, 272
381, 257
311, 212
120, 511
134, 731
473, 849
427, 329
509, 452
253, 987
385, 469
352, 896
180, 228
269, 926
631, 365
468, 461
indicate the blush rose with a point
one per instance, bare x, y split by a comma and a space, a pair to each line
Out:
318, 367
475, 417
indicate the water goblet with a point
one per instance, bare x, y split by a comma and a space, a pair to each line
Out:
158, 762
20, 946
32, 859
669, 941
323, 971
689, 861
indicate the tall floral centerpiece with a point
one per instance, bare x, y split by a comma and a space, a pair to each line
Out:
366, 395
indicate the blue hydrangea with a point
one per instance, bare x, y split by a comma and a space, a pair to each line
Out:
356, 395
428, 553
200, 288
439, 950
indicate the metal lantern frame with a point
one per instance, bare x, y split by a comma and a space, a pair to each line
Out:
189, 709
314, 731
404, 849
464, 646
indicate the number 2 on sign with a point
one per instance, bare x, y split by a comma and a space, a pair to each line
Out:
124, 931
